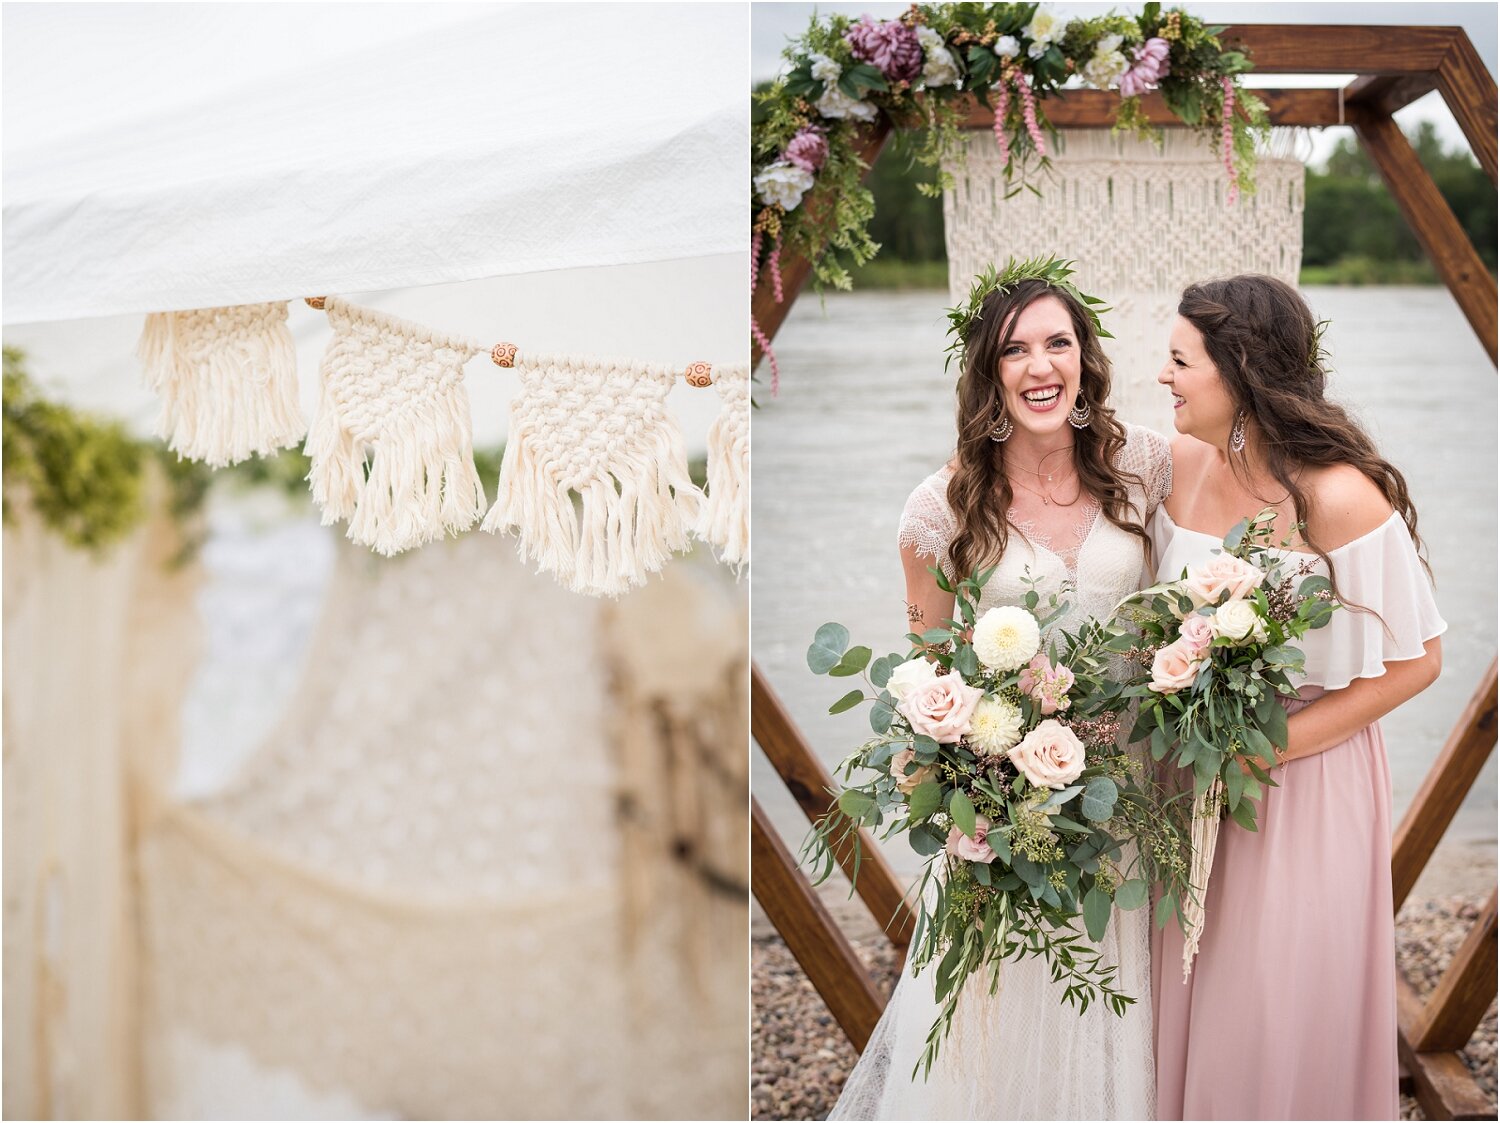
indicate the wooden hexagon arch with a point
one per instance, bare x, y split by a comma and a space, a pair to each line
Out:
1395, 66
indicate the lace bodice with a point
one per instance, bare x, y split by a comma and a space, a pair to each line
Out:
1103, 563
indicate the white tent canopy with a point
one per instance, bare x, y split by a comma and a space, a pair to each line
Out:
156, 159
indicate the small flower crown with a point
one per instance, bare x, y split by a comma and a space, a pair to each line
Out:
1053, 270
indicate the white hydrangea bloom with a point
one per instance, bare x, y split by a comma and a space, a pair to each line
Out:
835, 104
939, 67
1006, 638
783, 185
995, 727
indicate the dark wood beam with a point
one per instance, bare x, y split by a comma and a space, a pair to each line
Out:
1442, 1083
1427, 213
827, 958
1292, 48
809, 782
1095, 109
1464, 993
1443, 789
1470, 93
1386, 93
770, 313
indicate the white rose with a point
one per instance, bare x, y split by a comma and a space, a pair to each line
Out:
836, 104
1043, 30
824, 69
783, 185
939, 67
1006, 638
1238, 622
1007, 46
995, 726
909, 675
1051, 756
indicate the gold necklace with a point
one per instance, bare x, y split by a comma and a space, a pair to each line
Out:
1047, 500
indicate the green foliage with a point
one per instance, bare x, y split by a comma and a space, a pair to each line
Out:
1054, 271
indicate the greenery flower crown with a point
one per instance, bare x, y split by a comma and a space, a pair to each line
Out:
963, 318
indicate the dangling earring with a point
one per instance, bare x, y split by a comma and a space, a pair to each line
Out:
1079, 415
1237, 434
1002, 431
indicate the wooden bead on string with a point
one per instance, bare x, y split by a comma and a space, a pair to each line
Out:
699, 374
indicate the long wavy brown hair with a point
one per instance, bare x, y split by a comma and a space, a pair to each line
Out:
979, 493
1263, 339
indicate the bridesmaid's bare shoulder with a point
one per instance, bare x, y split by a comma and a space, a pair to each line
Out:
1344, 504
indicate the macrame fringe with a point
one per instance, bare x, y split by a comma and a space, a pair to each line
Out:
635, 501
227, 378
725, 520
404, 474
1204, 840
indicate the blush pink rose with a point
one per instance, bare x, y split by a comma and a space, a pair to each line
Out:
1197, 634
1222, 574
904, 782
1175, 667
1048, 685
1050, 756
941, 709
974, 849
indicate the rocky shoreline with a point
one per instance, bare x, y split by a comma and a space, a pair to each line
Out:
800, 1057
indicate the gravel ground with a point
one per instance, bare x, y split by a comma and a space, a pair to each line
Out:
800, 1056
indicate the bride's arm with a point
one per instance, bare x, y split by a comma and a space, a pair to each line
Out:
927, 605
1339, 714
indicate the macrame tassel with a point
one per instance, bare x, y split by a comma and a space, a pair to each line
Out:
393, 395
227, 378
600, 431
725, 521
1204, 840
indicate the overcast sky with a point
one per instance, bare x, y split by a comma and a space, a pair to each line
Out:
772, 24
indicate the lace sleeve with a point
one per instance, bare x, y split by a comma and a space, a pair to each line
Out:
927, 523
1148, 455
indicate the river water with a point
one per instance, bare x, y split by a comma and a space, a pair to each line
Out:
866, 411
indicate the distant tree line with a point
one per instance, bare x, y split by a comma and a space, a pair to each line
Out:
1352, 233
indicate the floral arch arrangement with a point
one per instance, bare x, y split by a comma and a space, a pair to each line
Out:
926, 67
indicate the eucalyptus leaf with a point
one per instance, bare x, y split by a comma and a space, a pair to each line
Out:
925, 798
854, 803
827, 648
962, 811
1132, 894
847, 702
1099, 797
1096, 909
853, 662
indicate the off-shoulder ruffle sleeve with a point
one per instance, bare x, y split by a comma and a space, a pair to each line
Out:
1382, 572
927, 523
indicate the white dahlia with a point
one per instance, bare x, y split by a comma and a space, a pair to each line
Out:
995, 726
1006, 638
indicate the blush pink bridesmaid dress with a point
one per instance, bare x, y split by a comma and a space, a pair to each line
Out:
1290, 1010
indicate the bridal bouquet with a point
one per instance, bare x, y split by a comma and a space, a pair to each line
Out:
1215, 653
1000, 763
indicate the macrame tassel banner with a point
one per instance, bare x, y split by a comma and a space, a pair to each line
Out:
725, 520
1203, 841
599, 430
393, 394
227, 378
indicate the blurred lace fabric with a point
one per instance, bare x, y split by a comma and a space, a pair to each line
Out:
487, 863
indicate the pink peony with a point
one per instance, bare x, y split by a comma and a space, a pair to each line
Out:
1047, 685
1197, 634
974, 849
941, 709
891, 46
807, 150
1151, 66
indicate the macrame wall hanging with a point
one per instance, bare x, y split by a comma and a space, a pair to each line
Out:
393, 393
594, 483
227, 378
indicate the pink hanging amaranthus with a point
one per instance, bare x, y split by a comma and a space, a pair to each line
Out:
1227, 138
1002, 108
1028, 113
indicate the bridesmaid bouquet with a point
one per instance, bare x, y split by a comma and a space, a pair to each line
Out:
1214, 653
990, 757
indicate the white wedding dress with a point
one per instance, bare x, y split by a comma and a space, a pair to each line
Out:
1022, 1053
